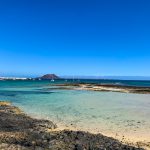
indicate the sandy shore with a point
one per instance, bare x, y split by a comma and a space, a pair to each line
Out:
125, 137
104, 87
19, 131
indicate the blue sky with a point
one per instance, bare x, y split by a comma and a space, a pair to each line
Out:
75, 37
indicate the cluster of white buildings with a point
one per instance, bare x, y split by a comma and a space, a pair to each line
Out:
13, 78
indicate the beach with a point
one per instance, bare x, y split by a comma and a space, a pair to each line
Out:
78, 108
74, 75
19, 131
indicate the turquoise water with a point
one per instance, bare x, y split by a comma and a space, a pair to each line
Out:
106, 112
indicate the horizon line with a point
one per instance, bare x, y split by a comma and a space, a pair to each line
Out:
109, 77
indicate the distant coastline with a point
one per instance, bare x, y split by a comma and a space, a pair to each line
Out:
75, 77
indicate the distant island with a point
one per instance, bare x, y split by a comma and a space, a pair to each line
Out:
49, 77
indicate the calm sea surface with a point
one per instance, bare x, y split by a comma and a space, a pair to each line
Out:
106, 112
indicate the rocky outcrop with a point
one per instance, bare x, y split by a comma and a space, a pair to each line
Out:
104, 87
21, 132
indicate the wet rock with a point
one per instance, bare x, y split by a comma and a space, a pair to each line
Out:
78, 147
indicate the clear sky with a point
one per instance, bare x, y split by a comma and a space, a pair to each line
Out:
75, 37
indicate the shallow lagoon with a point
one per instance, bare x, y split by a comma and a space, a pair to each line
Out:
111, 113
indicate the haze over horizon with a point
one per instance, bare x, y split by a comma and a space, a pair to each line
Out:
81, 38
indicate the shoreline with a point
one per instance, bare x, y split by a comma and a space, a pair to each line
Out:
22, 131
104, 87
125, 137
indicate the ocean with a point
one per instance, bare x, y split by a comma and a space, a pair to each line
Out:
110, 113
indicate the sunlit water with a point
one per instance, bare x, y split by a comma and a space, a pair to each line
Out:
105, 112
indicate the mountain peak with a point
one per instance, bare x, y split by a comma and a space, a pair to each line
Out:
49, 77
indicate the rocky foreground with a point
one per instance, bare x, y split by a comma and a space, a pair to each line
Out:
21, 132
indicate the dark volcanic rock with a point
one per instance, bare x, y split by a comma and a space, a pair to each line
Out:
49, 77
21, 132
